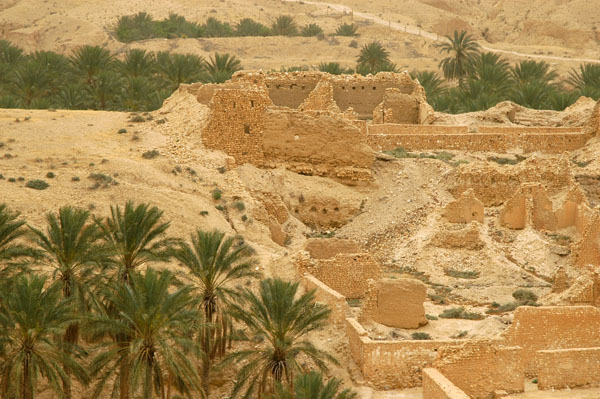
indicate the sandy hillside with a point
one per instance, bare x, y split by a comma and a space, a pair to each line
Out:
566, 29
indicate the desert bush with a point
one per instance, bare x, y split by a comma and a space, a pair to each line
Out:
421, 336
460, 313
466, 274
431, 317
525, 297
239, 205
50, 175
101, 180
217, 194
37, 184
150, 154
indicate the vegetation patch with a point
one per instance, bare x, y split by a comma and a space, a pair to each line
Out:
460, 313
101, 180
466, 274
37, 184
150, 154
421, 336
507, 161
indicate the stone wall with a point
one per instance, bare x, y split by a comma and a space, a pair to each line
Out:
397, 107
552, 327
236, 123
480, 368
345, 273
423, 140
395, 303
324, 294
437, 386
465, 209
325, 248
391, 364
568, 368
321, 144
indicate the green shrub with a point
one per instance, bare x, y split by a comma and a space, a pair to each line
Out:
525, 297
150, 154
203, 213
12, 180
346, 30
121, 131
217, 194
311, 30
220, 208
101, 180
421, 336
137, 119
431, 317
244, 218
507, 161
50, 175
582, 164
496, 308
37, 184
75, 178
466, 274
460, 313
239, 205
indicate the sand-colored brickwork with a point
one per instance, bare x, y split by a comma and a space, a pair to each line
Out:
324, 294
437, 386
465, 209
552, 327
481, 367
568, 368
395, 303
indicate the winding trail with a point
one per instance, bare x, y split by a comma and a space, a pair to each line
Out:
415, 30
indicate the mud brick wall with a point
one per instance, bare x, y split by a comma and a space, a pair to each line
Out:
481, 367
336, 301
312, 143
398, 129
436, 386
347, 274
391, 364
551, 143
568, 368
236, 124
552, 327
464, 209
527, 129
325, 248
587, 250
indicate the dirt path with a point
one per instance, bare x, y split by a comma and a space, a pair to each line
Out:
415, 30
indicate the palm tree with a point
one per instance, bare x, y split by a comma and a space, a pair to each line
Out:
104, 89
72, 96
462, 50
310, 30
136, 63
586, 80
10, 54
221, 67
284, 25
475, 95
310, 386
215, 262
529, 70
373, 58
249, 27
31, 316
89, 61
535, 94
31, 81
431, 82
282, 320
493, 71
346, 30
560, 100
333, 68
158, 354
179, 68
137, 93
11, 231
135, 234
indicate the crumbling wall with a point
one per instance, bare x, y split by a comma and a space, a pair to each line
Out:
568, 368
530, 206
324, 294
437, 386
395, 303
494, 184
500, 141
552, 327
321, 98
315, 144
397, 107
345, 273
465, 209
592, 126
236, 123
467, 237
587, 250
391, 364
481, 367
325, 248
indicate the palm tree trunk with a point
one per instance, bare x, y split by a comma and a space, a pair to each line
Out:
71, 338
26, 388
